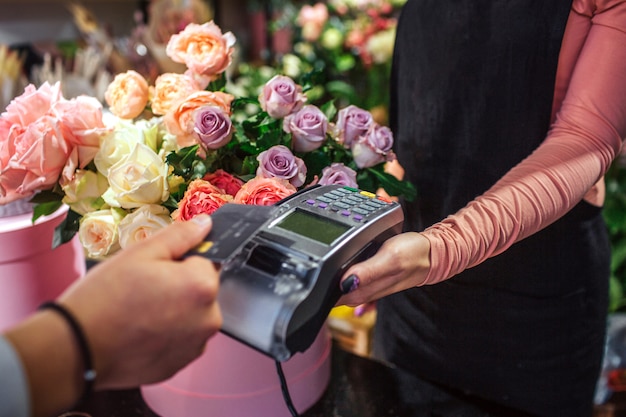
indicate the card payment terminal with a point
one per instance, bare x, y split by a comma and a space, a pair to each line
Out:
281, 264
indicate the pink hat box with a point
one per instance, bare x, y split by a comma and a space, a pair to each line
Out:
231, 379
30, 270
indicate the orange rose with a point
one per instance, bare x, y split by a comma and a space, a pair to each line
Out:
224, 181
201, 197
203, 48
180, 120
264, 191
128, 94
169, 89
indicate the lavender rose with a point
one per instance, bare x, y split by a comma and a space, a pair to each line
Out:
308, 128
281, 96
374, 147
213, 127
279, 162
338, 173
353, 122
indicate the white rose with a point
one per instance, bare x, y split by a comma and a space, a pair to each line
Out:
142, 223
138, 179
118, 144
84, 191
98, 233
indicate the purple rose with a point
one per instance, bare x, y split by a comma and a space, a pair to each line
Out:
213, 127
281, 96
279, 162
374, 147
353, 122
340, 174
308, 128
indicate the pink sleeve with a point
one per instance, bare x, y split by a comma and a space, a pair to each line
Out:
583, 141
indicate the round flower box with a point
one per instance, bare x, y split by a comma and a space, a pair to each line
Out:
30, 270
232, 380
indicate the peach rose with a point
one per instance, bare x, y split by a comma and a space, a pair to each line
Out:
264, 191
203, 48
127, 95
142, 223
224, 181
201, 197
180, 120
169, 89
98, 233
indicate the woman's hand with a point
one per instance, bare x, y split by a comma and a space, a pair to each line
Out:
402, 262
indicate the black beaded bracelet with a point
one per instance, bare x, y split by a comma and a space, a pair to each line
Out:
89, 373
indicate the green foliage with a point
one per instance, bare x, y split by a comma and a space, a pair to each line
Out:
615, 217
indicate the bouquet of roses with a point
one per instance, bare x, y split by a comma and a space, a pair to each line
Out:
183, 146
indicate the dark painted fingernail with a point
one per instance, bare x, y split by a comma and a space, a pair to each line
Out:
349, 284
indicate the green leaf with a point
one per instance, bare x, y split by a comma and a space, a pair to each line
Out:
46, 196
392, 185
68, 228
217, 85
45, 209
329, 109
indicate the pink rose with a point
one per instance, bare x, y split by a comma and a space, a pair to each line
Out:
181, 119
82, 117
264, 191
224, 181
374, 147
31, 157
203, 48
308, 128
281, 96
279, 162
169, 89
201, 197
32, 104
353, 122
127, 95
312, 20
340, 174
213, 127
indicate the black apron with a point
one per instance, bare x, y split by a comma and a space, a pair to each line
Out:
472, 90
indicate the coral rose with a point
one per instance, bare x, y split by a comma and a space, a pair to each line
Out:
224, 181
127, 95
201, 197
202, 48
264, 191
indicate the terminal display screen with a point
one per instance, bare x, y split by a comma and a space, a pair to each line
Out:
314, 227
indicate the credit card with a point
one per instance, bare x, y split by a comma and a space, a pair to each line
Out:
233, 226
